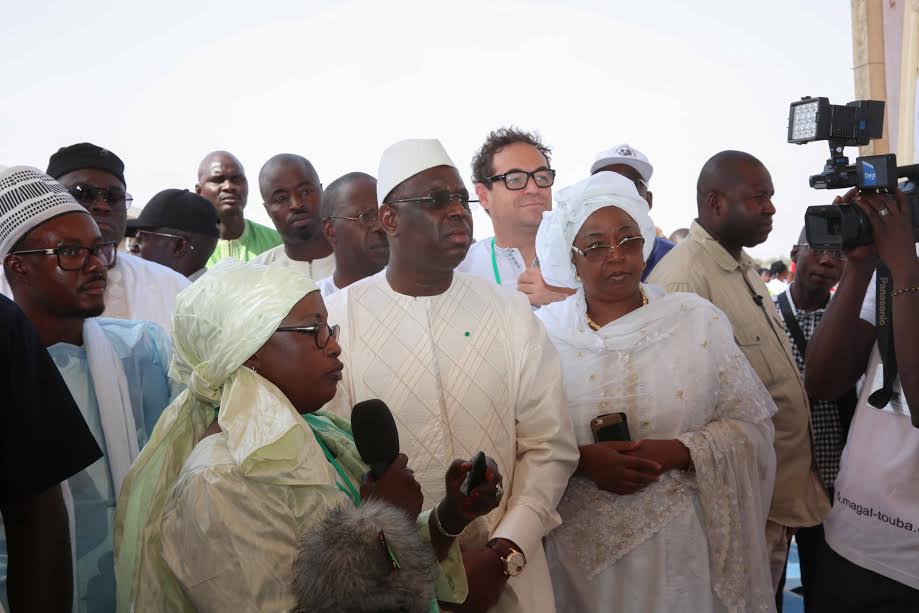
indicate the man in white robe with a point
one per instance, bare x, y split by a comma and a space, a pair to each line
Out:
351, 224
291, 193
57, 262
464, 366
137, 289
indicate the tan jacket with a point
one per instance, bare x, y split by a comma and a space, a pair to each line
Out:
702, 266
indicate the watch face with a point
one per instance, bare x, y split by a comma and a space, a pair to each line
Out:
514, 564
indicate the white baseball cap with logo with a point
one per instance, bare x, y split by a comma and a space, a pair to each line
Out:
627, 155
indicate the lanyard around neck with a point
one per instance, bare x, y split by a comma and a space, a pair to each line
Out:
494, 262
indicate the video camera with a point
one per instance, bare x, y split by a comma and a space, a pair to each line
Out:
853, 125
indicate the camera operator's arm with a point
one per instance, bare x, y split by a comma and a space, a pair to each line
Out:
893, 235
838, 352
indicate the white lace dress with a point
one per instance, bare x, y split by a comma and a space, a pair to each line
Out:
691, 542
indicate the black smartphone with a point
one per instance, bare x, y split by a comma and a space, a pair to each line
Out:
476, 474
612, 427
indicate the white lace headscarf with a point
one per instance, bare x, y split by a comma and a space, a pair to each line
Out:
573, 205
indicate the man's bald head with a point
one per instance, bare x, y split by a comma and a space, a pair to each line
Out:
339, 191
722, 172
734, 198
291, 191
221, 157
222, 180
279, 163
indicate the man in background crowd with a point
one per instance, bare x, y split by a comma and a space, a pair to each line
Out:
513, 180
291, 193
178, 229
222, 181
351, 225
634, 166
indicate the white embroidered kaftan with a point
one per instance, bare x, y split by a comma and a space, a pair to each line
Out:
689, 542
467, 370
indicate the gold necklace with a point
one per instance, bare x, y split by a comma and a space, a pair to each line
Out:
595, 326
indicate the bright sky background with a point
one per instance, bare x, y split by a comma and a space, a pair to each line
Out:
162, 83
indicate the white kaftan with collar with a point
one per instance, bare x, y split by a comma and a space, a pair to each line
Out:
467, 370
319, 268
690, 541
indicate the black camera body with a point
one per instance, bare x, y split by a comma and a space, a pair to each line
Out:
855, 124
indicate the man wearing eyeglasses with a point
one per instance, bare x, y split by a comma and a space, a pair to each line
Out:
58, 264
513, 181
136, 289
465, 367
802, 306
178, 229
632, 164
291, 193
734, 199
351, 224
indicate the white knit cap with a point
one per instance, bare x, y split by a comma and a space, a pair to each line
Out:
29, 197
573, 205
627, 155
407, 158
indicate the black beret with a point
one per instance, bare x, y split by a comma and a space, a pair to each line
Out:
85, 155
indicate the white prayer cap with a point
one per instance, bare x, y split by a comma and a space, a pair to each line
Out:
29, 197
627, 155
573, 205
406, 159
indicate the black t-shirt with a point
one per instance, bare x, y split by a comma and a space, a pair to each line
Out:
43, 438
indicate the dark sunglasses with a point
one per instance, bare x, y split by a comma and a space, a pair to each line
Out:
116, 198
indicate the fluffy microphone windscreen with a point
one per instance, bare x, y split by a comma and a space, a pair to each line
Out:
375, 433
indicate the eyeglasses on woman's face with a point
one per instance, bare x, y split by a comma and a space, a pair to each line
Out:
322, 333
600, 252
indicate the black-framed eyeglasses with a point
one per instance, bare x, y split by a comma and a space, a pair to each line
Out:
438, 200
367, 218
630, 245
321, 332
518, 179
116, 198
74, 257
836, 254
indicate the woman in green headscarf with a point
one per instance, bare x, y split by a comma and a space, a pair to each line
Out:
243, 462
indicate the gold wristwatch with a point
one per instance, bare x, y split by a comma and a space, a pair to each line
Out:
512, 559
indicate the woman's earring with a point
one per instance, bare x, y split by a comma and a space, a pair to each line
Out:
577, 277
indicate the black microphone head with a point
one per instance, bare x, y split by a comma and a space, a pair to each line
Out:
375, 434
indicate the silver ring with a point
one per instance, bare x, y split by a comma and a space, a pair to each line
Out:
884, 211
499, 491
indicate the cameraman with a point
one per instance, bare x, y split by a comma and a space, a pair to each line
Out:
872, 559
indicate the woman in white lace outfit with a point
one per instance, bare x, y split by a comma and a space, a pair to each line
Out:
673, 519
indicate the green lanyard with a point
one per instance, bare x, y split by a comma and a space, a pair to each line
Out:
347, 488
494, 263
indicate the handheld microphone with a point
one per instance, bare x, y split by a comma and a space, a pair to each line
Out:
375, 435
